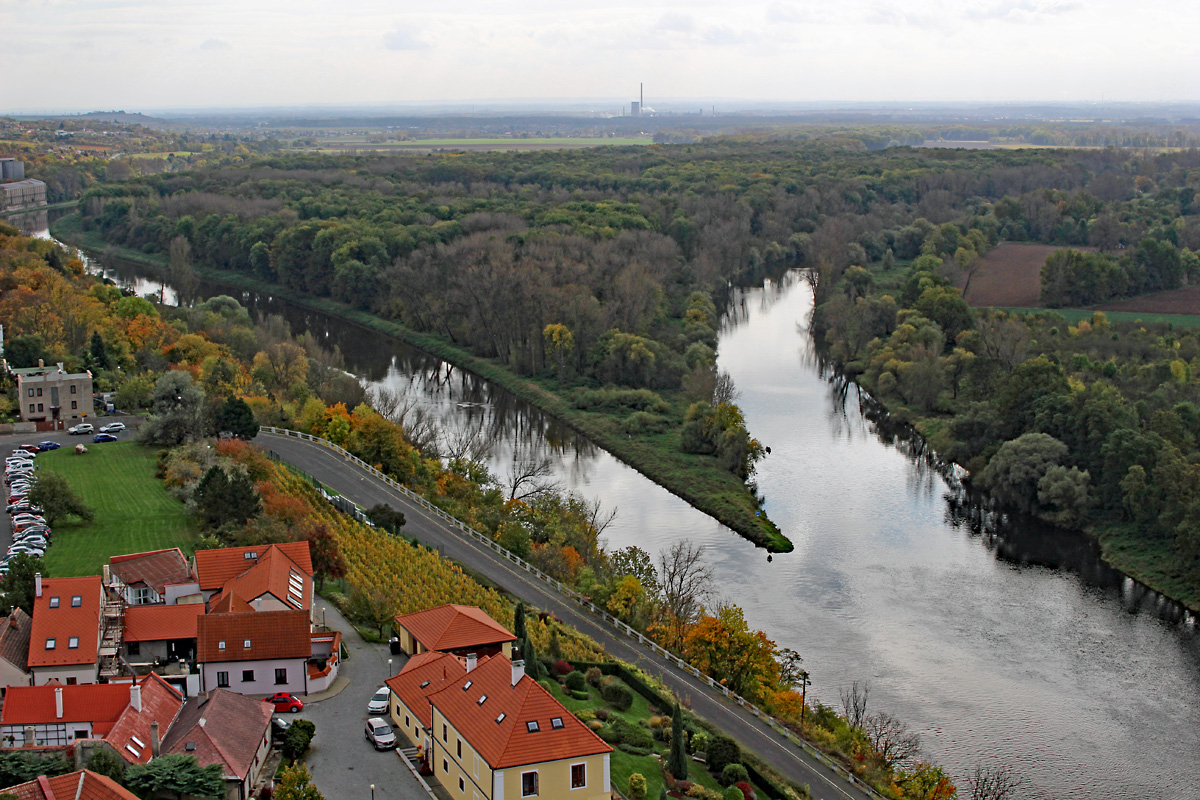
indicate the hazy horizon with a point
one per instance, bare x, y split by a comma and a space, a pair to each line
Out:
85, 55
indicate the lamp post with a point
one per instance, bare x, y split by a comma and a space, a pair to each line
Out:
389, 670
372, 791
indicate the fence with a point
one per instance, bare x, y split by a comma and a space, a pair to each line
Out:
581, 601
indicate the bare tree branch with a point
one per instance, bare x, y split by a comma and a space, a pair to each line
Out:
686, 583
854, 703
891, 739
993, 783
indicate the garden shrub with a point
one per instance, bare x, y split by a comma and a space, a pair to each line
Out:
746, 789
580, 695
699, 742
733, 773
617, 695
594, 676
576, 682
562, 667
587, 714
637, 786
618, 730
634, 750
299, 735
732, 793
655, 722
722, 751
595, 724
601, 713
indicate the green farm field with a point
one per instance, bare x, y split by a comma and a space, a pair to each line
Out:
134, 512
1074, 315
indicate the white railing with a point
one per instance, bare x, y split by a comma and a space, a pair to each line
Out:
580, 600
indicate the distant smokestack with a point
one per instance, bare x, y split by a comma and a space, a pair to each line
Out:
58, 706
37, 584
642, 95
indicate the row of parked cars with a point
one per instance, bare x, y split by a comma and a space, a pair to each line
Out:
30, 533
108, 433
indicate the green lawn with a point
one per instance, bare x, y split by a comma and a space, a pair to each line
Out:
624, 764
134, 512
1074, 315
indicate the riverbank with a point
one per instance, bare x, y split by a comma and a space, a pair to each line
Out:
698, 480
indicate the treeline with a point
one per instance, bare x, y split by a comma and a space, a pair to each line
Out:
1074, 278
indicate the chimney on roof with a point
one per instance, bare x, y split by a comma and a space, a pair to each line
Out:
155, 743
472, 660
518, 671
107, 575
135, 696
37, 584
58, 707
41, 364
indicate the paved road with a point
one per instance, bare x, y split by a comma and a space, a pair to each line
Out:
343, 763
363, 488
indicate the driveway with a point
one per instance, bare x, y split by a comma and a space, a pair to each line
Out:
343, 763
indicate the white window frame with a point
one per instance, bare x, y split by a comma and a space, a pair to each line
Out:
571, 776
537, 784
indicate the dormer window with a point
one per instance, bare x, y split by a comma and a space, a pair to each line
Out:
482, 697
51, 643
556, 722
220, 645
73, 643
467, 685
246, 644
76, 601
54, 602
250, 555
532, 726
500, 718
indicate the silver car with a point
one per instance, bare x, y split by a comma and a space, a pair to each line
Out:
380, 734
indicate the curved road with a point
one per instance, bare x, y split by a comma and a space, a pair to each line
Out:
355, 483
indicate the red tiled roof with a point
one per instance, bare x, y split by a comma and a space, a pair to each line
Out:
215, 567
228, 603
509, 743
431, 668
224, 728
15, 630
454, 627
81, 785
158, 623
98, 703
272, 634
130, 734
157, 569
274, 573
65, 621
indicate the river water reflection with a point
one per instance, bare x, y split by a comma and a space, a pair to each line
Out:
1000, 644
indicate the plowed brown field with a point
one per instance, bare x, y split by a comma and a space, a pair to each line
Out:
1176, 301
1010, 274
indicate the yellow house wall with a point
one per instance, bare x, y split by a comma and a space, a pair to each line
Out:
413, 730
554, 777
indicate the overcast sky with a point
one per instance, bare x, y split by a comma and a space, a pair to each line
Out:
138, 54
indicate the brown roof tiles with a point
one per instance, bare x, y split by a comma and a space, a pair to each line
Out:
81, 785
15, 630
454, 627
156, 569
215, 567
270, 634
222, 728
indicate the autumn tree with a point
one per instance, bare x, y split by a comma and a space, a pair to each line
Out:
374, 606
724, 647
327, 557
685, 583
177, 411
57, 499
560, 342
295, 783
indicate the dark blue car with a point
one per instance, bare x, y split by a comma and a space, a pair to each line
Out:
44, 446
104, 437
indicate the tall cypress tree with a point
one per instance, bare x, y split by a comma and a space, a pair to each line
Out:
677, 763
519, 622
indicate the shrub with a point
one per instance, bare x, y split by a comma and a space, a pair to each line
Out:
299, 735
601, 713
733, 773
722, 751
595, 724
562, 667
732, 793
587, 714
656, 722
683, 787
634, 750
617, 695
580, 695
637, 786
576, 682
644, 422
699, 742
746, 789
618, 730
594, 676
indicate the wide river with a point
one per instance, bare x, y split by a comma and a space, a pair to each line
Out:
1001, 645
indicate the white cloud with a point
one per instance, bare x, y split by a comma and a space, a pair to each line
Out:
398, 39
214, 44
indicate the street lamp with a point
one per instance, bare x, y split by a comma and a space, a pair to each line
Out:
389, 670
372, 791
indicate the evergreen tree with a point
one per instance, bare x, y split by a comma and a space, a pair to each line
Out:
209, 496
677, 764
235, 416
19, 584
519, 622
176, 774
97, 356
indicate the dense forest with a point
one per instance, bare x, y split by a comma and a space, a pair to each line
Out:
603, 272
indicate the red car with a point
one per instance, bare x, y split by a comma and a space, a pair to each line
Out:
285, 702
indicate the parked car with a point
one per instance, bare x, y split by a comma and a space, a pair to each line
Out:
81, 429
32, 449
44, 446
279, 728
40, 542
113, 427
285, 702
104, 437
380, 734
379, 701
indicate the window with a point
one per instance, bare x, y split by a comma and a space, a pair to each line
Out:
81, 733
406, 723
220, 645
445, 733
482, 697
76, 601
31, 407
556, 722
72, 681
133, 648
467, 685
280, 676
31, 395
460, 748
578, 776
74, 389
246, 644
41, 407
247, 676
445, 765
51, 643
223, 679
462, 787
74, 404
529, 784
500, 718
73, 643
39, 391
532, 726
250, 555
423, 685
54, 602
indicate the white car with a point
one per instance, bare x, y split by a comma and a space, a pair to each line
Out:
81, 428
379, 702
113, 427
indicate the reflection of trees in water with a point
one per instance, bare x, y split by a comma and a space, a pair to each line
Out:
742, 303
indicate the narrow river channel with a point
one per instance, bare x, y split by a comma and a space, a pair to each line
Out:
1001, 645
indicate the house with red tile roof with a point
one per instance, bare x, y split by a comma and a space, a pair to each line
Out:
160, 633
15, 630
225, 728
255, 653
81, 785
159, 576
127, 716
274, 582
421, 676
215, 568
64, 642
455, 629
496, 733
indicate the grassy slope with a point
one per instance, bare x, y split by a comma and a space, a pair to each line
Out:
1074, 315
134, 512
698, 480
